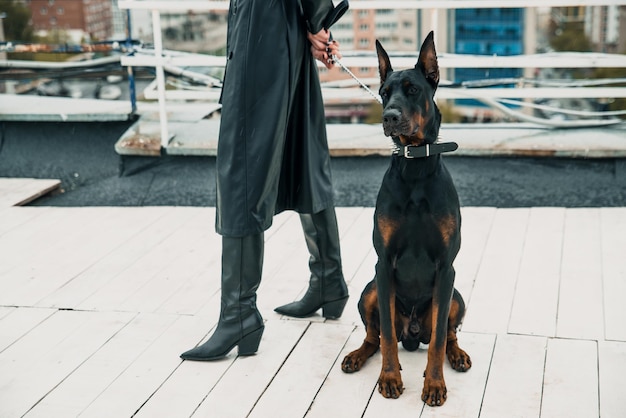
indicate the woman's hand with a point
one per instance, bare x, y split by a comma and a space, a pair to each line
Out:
322, 49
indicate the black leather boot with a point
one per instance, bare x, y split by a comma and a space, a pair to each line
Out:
327, 287
240, 322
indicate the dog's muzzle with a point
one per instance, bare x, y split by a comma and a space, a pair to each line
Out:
393, 122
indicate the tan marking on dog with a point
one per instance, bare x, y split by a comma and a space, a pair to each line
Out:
420, 122
387, 228
447, 226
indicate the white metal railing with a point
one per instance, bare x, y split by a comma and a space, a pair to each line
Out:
161, 59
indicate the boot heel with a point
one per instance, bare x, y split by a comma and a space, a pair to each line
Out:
334, 309
249, 344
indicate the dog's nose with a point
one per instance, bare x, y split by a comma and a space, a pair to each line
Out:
391, 116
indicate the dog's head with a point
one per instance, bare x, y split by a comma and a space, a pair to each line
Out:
410, 115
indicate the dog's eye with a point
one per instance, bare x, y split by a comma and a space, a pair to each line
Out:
413, 90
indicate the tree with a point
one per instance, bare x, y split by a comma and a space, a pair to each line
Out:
17, 21
570, 37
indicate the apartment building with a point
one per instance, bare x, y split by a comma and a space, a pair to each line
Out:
488, 32
358, 30
602, 27
93, 17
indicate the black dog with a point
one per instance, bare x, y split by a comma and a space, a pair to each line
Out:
416, 236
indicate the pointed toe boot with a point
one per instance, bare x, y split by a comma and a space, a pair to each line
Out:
327, 288
240, 323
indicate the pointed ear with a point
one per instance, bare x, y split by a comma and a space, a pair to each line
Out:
427, 61
384, 65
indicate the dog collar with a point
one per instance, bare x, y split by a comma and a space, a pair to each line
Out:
424, 151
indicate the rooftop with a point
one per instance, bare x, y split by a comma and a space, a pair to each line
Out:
96, 304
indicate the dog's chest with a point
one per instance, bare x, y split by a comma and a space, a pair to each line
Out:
418, 224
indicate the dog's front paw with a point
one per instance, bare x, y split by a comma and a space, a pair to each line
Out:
459, 360
356, 359
390, 384
353, 362
434, 392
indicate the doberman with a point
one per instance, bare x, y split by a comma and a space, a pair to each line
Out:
417, 223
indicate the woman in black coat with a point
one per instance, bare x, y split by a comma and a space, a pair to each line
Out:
273, 156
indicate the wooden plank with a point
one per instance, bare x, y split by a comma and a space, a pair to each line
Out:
410, 402
203, 293
34, 365
537, 291
74, 363
347, 217
490, 303
515, 380
26, 191
200, 285
356, 242
613, 224
81, 388
192, 261
303, 373
8, 188
570, 386
58, 264
134, 386
278, 221
128, 282
580, 299
361, 278
353, 390
241, 385
11, 183
194, 295
612, 365
13, 218
476, 224
466, 390
33, 251
6, 310
21, 245
280, 241
157, 224
18, 322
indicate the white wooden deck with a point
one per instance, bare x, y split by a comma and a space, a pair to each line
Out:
96, 304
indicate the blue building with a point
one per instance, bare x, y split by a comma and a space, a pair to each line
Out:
488, 32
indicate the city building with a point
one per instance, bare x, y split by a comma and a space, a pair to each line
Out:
358, 30
497, 31
602, 27
93, 17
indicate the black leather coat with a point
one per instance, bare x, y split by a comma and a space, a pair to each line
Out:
272, 150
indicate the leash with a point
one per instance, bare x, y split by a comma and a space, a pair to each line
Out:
362, 84
338, 11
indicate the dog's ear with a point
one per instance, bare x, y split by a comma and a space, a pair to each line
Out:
427, 61
384, 65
